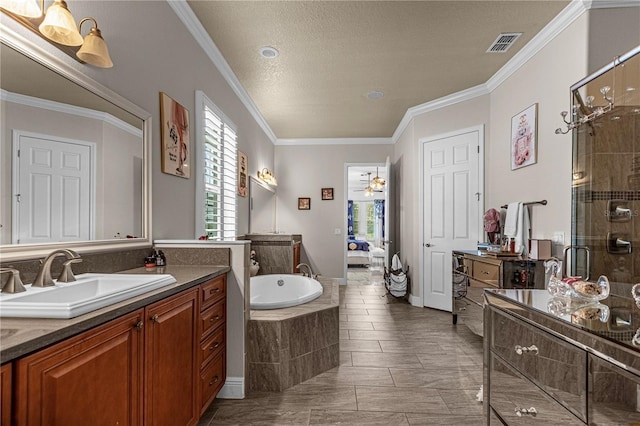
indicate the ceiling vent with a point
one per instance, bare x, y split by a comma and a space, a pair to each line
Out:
503, 42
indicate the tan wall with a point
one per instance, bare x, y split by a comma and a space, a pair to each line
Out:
302, 171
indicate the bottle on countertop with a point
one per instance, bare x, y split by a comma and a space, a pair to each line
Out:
161, 259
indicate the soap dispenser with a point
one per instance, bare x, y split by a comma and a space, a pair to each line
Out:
161, 259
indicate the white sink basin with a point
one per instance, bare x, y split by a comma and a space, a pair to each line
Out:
88, 293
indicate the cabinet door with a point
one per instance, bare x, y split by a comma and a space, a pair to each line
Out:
5, 395
92, 379
613, 394
171, 353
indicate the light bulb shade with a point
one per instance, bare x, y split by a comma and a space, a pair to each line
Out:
59, 26
368, 191
94, 50
26, 8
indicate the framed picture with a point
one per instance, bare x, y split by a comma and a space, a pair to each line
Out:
304, 203
243, 166
327, 193
524, 137
174, 135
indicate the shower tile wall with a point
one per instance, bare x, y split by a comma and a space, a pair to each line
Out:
608, 154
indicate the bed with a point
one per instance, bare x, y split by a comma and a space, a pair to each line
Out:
358, 253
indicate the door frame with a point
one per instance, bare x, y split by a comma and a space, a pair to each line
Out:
345, 202
15, 174
421, 142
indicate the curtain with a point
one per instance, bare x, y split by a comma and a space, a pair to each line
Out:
378, 206
350, 218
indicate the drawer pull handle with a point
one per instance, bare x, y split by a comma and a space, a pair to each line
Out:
526, 411
214, 381
215, 290
485, 272
214, 346
525, 350
155, 318
216, 318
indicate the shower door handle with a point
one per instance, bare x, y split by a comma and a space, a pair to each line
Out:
565, 263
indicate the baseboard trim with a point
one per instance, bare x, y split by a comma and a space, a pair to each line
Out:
233, 388
415, 300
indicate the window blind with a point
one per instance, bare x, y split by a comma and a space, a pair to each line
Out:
220, 173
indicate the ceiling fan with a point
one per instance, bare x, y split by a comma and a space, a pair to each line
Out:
369, 190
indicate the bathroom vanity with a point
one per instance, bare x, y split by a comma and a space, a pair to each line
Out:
559, 368
475, 270
158, 358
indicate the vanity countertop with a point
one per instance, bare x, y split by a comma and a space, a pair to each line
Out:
20, 336
611, 339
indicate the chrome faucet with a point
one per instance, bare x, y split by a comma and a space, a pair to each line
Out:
43, 279
309, 270
14, 283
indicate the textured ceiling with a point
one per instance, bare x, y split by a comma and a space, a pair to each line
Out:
332, 53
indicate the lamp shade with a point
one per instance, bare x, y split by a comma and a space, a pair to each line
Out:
94, 50
26, 8
59, 26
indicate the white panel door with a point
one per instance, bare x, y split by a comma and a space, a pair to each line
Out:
52, 190
451, 184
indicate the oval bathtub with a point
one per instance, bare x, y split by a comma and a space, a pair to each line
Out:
275, 291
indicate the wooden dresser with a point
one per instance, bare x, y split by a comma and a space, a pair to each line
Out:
474, 270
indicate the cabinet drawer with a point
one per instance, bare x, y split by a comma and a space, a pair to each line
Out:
212, 345
211, 380
613, 395
510, 394
552, 364
486, 272
212, 317
213, 290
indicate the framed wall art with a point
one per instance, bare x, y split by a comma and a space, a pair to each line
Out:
174, 135
524, 138
327, 193
243, 166
304, 203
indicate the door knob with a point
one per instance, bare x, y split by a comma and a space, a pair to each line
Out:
427, 245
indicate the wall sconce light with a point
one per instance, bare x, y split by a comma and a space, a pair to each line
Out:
267, 176
57, 25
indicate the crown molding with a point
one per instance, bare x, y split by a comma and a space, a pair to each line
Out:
559, 23
335, 141
69, 109
194, 26
452, 99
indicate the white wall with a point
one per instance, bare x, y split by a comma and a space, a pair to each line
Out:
302, 171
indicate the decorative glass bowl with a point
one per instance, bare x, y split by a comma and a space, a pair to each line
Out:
577, 288
591, 315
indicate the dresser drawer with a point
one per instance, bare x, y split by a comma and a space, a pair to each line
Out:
613, 394
211, 380
519, 402
486, 272
552, 364
212, 345
212, 317
213, 290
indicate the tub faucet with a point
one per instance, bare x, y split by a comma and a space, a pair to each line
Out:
309, 270
43, 279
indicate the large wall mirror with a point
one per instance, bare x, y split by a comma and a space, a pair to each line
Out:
262, 210
73, 159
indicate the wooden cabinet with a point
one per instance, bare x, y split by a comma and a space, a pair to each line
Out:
93, 378
213, 336
171, 361
160, 365
5, 394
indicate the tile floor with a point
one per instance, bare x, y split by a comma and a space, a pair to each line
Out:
400, 365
